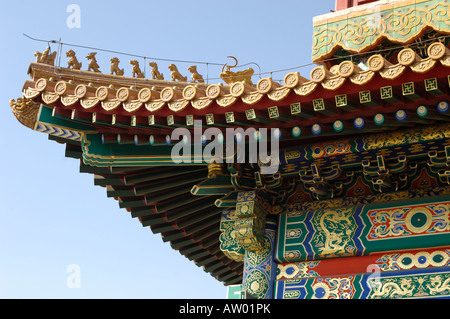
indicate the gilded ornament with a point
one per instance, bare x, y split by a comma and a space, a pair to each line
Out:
361, 31
167, 94
347, 68
131, 106
80, 91
231, 77
228, 243
335, 69
423, 66
226, 100
109, 105
250, 222
266, 85
392, 72
438, 258
279, 94
333, 83
291, 80
257, 284
189, 92
41, 84
154, 105
93, 65
102, 93
60, 87
31, 93
445, 61
89, 102
321, 291
292, 294
136, 70
334, 232
201, 103
178, 105
26, 111
69, 100
252, 98
115, 67
377, 62
333, 288
256, 258
145, 95
45, 57
407, 57
362, 77
437, 50
175, 74
439, 285
318, 74
305, 88
195, 76
122, 94
418, 220
237, 89
73, 61
391, 287
416, 285
213, 91
297, 270
409, 222
49, 98
215, 169
156, 75
281, 271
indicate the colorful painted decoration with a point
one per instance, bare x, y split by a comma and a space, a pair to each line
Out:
400, 115
379, 119
359, 123
296, 131
363, 31
363, 230
168, 139
422, 283
277, 134
443, 107
316, 129
338, 126
352, 202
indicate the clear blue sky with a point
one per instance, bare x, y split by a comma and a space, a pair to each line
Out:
51, 216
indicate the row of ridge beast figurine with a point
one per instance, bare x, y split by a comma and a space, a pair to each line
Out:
73, 63
226, 74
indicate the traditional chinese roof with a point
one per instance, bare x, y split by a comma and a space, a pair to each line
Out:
339, 126
345, 92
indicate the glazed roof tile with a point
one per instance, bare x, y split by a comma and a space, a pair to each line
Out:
126, 95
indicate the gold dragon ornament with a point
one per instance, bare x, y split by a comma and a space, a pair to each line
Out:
25, 110
231, 77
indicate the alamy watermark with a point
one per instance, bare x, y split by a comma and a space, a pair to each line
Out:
236, 145
73, 21
74, 279
373, 281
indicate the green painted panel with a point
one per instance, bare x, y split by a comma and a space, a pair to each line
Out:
96, 153
46, 117
362, 230
364, 27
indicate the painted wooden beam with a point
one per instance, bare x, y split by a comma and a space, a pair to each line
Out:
154, 186
155, 174
363, 230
